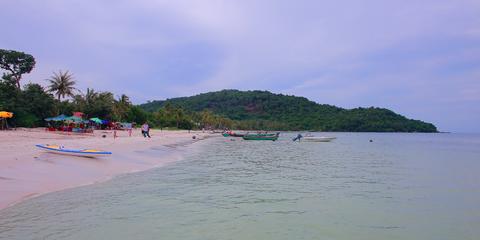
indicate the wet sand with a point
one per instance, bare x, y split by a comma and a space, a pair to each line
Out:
26, 171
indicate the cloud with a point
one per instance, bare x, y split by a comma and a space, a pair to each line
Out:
411, 56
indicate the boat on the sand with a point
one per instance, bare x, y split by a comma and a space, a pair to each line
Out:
73, 152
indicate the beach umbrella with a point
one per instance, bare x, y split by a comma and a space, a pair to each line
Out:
4, 114
61, 117
96, 120
74, 119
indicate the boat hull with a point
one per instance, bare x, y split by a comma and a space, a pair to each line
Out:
73, 152
260, 137
317, 139
233, 135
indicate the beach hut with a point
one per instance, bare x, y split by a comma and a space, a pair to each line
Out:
3, 119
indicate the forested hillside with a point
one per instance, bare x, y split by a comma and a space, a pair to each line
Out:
265, 110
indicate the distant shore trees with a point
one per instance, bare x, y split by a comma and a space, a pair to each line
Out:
233, 109
33, 103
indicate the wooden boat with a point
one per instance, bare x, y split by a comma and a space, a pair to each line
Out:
232, 134
73, 152
316, 139
268, 137
266, 134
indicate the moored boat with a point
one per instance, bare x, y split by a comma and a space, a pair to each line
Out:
317, 139
73, 152
232, 134
262, 136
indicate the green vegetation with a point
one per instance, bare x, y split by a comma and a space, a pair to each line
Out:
255, 110
32, 103
268, 111
16, 64
62, 84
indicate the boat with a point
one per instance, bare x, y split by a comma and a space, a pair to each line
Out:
263, 136
266, 134
232, 134
316, 139
73, 152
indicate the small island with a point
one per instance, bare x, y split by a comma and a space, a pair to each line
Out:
263, 110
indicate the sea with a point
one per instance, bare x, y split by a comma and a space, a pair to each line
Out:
359, 186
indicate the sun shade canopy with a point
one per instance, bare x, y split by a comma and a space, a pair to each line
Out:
4, 114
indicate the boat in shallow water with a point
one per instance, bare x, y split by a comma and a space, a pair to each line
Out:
262, 136
317, 139
232, 134
73, 152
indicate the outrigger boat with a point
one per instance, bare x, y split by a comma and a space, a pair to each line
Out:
262, 136
73, 152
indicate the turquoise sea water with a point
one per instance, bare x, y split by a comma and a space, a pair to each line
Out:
400, 186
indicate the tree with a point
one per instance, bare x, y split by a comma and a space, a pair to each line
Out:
121, 107
179, 114
37, 105
62, 84
16, 63
137, 115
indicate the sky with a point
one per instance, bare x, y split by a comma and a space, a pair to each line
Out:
418, 58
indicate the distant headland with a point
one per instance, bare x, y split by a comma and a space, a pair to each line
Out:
268, 111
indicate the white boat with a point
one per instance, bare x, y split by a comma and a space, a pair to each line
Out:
316, 139
73, 152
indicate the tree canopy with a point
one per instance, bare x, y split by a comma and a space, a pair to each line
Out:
62, 84
265, 110
16, 64
234, 109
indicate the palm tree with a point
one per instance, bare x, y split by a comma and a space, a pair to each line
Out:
90, 96
62, 84
121, 107
178, 115
124, 100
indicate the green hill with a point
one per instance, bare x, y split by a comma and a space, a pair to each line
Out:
265, 110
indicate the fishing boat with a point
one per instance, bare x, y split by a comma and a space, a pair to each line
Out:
266, 134
262, 136
73, 152
232, 134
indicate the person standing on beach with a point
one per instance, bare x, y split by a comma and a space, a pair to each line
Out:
146, 130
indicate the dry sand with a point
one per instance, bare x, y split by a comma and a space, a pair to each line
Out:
26, 171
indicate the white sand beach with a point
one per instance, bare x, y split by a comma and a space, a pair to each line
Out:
26, 171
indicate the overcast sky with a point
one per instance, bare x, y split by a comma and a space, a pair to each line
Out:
420, 58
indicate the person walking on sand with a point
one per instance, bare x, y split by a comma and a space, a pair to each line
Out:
146, 130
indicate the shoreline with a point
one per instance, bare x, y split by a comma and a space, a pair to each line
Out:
27, 172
